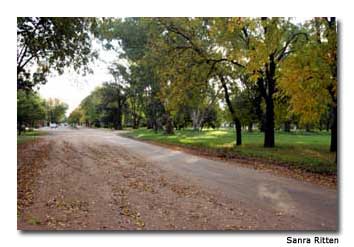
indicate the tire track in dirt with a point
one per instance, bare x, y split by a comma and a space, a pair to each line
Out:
87, 183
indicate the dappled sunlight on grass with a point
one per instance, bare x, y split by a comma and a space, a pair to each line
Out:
304, 150
219, 133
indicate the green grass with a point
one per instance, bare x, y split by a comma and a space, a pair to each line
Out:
308, 151
29, 136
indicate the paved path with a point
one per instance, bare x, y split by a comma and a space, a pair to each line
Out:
271, 201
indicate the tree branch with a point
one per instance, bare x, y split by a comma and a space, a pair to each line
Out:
22, 55
172, 28
283, 52
21, 67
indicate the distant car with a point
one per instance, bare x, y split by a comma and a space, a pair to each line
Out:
53, 125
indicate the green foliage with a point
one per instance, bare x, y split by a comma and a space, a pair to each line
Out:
89, 107
75, 116
308, 76
267, 71
247, 104
34, 111
30, 109
104, 107
45, 44
55, 110
134, 35
112, 104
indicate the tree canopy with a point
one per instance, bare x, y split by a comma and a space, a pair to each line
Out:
34, 111
196, 72
51, 44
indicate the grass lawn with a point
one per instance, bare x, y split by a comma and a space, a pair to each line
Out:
308, 151
29, 136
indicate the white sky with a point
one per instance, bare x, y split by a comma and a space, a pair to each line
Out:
73, 88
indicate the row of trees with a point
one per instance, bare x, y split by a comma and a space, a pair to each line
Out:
34, 111
44, 46
120, 103
262, 70
194, 71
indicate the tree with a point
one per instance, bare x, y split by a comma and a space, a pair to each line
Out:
206, 45
187, 54
135, 95
283, 117
271, 41
211, 117
190, 91
75, 116
30, 108
178, 63
309, 77
112, 103
246, 102
114, 94
55, 109
45, 44
90, 110
134, 36
257, 46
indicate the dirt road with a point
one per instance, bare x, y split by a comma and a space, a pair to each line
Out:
97, 180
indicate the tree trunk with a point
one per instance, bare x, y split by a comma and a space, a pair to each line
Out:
328, 124
169, 125
156, 129
308, 128
195, 119
333, 147
149, 124
236, 121
268, 95
138, 122
154, 118
269, 124
250, 127
135, 121
238, 131
19, 127
119, 120
156, 124
287, 126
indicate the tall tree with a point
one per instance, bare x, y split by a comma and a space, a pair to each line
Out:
45, 44
56, 110
30, 108
134, 36
75, 116
246, 101
89, 106
112, 103
271, 40
191, 50
135, 95
309, 76
114, 93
